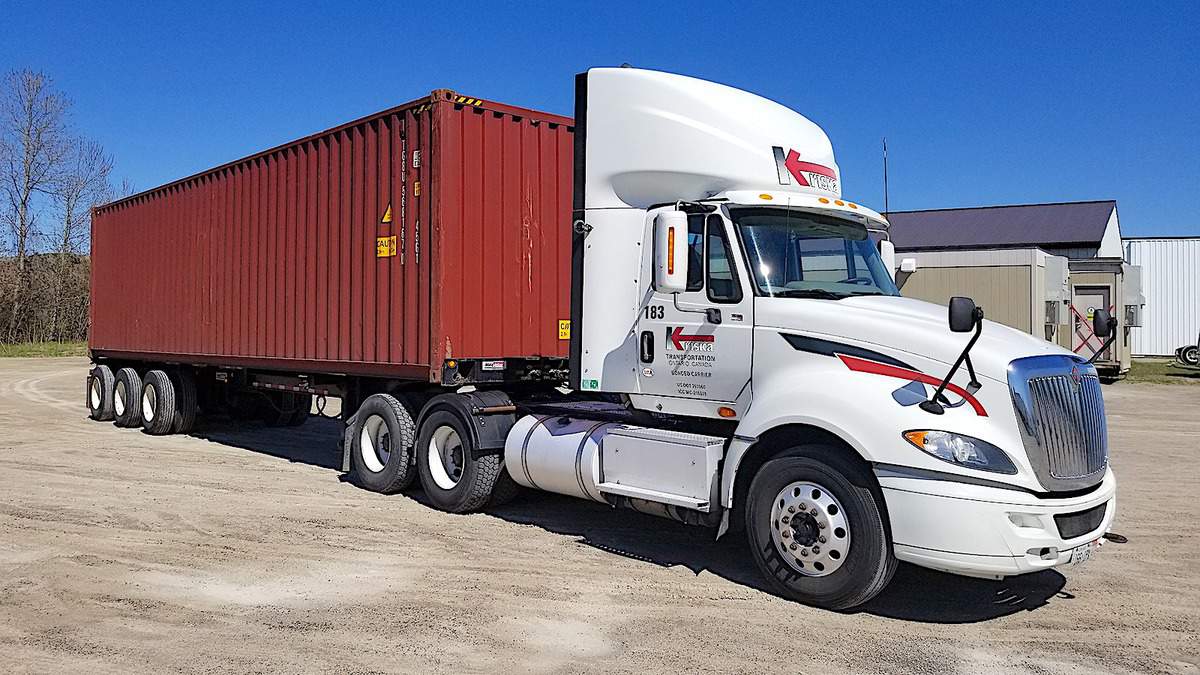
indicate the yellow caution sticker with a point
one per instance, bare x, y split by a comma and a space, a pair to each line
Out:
385, 247
469, 101
387, 215
416, 188
564, 329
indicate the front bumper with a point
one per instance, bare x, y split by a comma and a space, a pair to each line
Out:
985, 531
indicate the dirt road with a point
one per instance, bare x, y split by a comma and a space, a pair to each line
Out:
243, 550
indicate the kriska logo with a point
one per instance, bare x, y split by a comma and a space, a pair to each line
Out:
788, 166
679, 341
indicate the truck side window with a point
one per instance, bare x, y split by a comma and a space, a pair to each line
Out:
722, 283
695, 280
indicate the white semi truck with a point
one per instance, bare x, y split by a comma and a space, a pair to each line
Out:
740, 358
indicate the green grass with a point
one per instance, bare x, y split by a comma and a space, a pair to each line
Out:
27, 349
1161, 371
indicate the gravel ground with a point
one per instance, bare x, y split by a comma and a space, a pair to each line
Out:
244, 550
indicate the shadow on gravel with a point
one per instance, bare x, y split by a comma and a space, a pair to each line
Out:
915, 594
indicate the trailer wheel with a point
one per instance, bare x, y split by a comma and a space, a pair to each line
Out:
1191, 355
453, 480
127, 398
100, 393
816, 531
381, 455
185, 401
158, 403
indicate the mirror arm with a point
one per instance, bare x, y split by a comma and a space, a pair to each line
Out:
1112, 337
711, 314
932, 405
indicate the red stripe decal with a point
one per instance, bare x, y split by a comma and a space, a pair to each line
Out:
876, 368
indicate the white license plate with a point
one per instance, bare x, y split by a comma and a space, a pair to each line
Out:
1082, 554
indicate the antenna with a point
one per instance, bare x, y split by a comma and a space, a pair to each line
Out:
885, 178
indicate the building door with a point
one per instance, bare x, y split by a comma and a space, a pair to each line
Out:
1084, 303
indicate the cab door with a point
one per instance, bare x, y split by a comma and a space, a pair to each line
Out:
697, 344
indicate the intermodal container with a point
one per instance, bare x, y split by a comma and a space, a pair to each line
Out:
439, 229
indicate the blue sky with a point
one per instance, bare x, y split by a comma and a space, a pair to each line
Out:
980, 105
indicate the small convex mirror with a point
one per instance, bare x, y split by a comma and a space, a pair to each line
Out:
962, 314
670, 252
1102, 323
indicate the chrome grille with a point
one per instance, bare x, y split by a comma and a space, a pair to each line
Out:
1061, 411
1069, 419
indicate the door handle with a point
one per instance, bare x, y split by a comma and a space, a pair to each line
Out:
647, 347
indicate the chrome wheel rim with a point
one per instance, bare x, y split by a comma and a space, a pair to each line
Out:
375, 443
446, 458
149, 402
119, 398
95, 395
810, 529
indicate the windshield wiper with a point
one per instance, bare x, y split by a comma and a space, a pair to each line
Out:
868, 293
810, 293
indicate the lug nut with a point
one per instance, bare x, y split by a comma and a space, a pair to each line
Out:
786, 520
816, 549
792, 547
791, 509
786, 534
821, 539
821, 525
802, 552
814, 512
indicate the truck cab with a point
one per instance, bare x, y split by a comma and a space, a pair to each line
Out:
724, 287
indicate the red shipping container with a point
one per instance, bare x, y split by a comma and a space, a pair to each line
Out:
438, 229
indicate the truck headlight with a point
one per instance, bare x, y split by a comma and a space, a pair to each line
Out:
962, 450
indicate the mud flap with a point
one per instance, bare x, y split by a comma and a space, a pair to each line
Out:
346, 442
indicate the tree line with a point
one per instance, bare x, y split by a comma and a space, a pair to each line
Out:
50, 178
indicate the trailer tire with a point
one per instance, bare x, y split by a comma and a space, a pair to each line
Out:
454, 481
185, 401
99, 393
837, 502
158, 403
381, 445
127, 399
1191, 355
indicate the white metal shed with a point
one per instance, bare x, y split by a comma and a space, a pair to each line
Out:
1171, 284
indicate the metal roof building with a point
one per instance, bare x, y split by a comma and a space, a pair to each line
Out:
998, 254
1171, 283
1077, 230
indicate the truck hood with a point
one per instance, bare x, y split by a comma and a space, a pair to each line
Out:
897, 326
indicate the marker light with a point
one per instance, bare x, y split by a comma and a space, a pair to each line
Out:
962, 450
823, 200
839, 202
766, 196
726, 412
671, 251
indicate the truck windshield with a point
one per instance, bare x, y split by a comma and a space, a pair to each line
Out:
800, 254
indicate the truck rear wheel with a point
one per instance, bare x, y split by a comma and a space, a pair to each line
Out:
454, 480
381, 454
186, 405
100, 383
158, 403
1191, 355
816, 531
127, 398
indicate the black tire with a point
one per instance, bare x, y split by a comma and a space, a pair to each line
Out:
868, 562
127, 399
470, 484
158, 403
382, 465
1191, 355
186, 406
99, 393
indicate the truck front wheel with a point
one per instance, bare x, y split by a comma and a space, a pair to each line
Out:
817, 532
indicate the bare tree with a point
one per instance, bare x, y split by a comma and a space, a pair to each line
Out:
82, 185
33, 150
